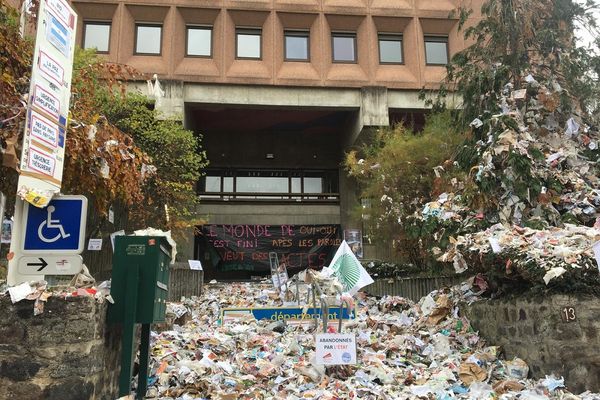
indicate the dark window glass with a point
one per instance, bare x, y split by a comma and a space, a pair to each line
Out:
248, 43
199, 41
96, 35
344, 47
436, 50
390, 49
148, 39
296, 46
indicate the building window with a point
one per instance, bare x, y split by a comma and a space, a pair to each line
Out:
248, 43
436, 50
296, 46
344, 47
390, 49
148, 39
259, 184
96, 35
199, 41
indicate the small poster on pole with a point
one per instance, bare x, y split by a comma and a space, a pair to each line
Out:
354, 239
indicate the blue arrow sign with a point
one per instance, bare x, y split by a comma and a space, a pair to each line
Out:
57, 228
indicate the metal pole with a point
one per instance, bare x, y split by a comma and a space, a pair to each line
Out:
144, 355
127, 347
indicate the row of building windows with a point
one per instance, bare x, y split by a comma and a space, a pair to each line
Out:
148, 39
269, 184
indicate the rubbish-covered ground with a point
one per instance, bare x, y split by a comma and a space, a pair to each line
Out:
405, 350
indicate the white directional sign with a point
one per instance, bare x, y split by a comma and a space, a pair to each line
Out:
50, 265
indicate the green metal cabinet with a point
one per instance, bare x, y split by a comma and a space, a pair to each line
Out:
139, 288
150, 256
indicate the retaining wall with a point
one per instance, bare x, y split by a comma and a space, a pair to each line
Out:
66, 353
558, 333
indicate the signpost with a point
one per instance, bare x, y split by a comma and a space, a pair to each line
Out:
58, 239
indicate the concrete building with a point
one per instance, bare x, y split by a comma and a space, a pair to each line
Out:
280, 89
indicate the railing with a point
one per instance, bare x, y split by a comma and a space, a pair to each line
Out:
277, 197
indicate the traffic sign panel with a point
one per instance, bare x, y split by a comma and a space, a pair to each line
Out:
50, 265
58, 228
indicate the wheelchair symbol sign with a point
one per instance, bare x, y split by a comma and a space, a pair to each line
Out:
58, 228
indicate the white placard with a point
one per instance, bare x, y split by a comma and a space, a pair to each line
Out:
596, 248
46, 101
44, 130
335, 348
111, 215
51, 69
41, 162
195, 265
95, 244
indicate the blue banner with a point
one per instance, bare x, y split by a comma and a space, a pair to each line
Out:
288, 314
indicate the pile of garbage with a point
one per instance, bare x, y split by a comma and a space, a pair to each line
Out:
533, 174
405, 350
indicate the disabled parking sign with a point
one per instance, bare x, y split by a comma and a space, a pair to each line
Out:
58, 228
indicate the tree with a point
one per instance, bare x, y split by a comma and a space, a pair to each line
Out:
395, 173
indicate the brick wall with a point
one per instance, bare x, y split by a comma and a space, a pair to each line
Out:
540, 332
66, 353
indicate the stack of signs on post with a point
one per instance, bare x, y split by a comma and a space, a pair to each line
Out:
48, 107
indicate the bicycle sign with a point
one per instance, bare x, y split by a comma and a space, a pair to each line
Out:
58, 228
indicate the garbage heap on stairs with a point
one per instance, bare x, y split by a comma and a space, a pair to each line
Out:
405, 350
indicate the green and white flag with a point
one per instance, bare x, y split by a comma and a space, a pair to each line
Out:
348, 270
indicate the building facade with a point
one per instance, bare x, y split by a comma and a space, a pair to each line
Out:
279, 91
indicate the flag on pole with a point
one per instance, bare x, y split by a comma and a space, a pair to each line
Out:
348, 270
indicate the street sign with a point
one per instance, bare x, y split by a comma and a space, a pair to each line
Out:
57, 229
50, 265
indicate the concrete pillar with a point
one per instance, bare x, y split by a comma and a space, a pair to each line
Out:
171, 105
374, 106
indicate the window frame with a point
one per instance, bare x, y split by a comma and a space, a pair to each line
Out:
148, 25
249, 31
437, 39
355, 44
296, 33
96, 22
391, 37
187, 38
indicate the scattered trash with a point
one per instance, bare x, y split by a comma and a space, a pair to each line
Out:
405, 350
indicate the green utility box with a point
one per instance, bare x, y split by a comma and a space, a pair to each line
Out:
151, 256
139, 288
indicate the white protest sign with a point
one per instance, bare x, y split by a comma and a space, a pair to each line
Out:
95, 244
335, 348
195, 265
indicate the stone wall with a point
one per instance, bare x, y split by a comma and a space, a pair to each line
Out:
554, 334
66, 353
